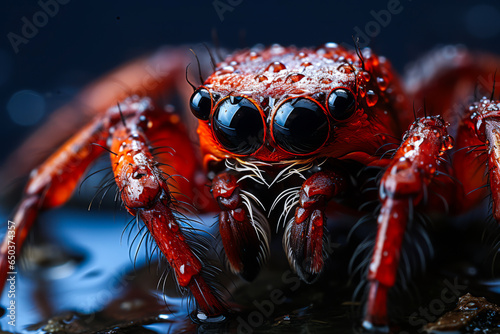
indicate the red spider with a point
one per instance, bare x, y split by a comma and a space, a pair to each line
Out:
282, 132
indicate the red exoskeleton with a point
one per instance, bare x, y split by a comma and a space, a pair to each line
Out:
282, 133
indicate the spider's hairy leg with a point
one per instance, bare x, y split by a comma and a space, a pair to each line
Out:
304, 237
479, 152
244, 230
53, 182
146, 191
403, 186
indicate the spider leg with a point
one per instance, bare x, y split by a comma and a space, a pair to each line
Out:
147, 191
243, 228
403, 186
304, 234
478, 151
53, 182
144, 179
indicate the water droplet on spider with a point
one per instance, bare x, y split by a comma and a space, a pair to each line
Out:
345, 68
302, 55
254, 55
371, 98
382, 83
261, 78
449, 142
331, 45
294, 78
306, 64
365, 76
362, 91
275, 67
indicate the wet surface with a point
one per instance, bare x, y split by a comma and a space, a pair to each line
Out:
472, 314
77, 277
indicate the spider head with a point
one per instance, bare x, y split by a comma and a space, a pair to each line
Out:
279, 104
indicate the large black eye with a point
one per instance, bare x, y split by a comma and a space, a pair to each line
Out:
341, 104
238, 125
201, 104
300, 126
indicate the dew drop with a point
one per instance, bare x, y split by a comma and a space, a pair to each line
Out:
448, 143
254, 55
260, 78
302, 55
382, 83
345, 68
331, 45
294, 78
362, 91
371, 98
432, 169
365, 76
306, 64
276, 67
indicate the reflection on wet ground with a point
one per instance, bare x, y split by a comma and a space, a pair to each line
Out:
78, 277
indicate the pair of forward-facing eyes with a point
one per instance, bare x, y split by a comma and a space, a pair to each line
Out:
299, 126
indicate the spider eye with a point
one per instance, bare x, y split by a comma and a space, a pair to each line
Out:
238, 125
201, 104
341, 103
300, 126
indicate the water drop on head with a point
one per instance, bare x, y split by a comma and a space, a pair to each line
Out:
294, 78
345, 68
254, 55
371, 98
365, 76
261, 78
362, 91
275, 67
382, 83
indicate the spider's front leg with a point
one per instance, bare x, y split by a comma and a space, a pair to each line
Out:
143, 177
244, 230
404, 184
145, 184
304, 237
